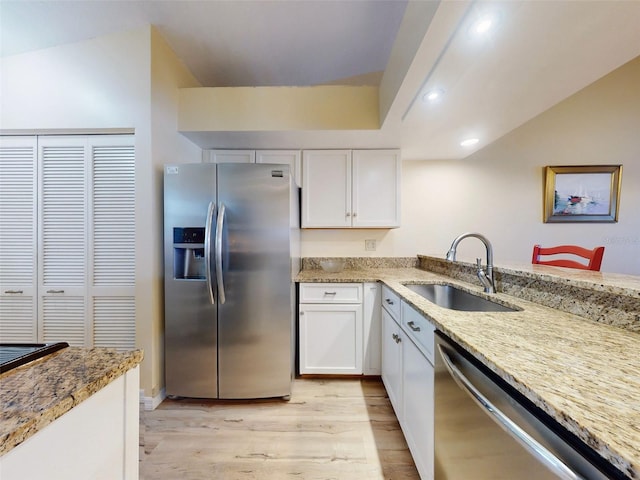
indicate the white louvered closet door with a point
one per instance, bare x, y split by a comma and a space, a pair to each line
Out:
112, 242
18, 194
63, 162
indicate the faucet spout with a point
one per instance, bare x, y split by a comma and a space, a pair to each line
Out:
486, 278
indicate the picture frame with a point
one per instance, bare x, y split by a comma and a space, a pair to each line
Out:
582, 193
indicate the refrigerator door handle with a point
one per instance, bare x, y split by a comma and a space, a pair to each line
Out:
207, 251
219, 276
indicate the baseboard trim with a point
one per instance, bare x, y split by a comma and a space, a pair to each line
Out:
151, 403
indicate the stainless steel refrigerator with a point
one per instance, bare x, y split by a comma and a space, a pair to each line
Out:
231, 234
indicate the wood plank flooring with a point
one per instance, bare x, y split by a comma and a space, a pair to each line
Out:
330, 429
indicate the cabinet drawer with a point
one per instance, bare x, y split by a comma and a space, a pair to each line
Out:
391, 301
330, 293
419, 329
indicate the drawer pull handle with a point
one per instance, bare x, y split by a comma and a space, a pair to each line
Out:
13, 291
389, 301
396, 337
413, 327
330, 293
55, 291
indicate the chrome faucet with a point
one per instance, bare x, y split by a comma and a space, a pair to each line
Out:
486, 279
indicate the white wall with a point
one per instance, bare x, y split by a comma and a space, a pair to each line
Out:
498, 191
121, 82
88, 85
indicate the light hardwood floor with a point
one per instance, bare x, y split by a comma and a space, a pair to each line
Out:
330, 429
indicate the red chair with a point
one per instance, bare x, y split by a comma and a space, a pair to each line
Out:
594, 257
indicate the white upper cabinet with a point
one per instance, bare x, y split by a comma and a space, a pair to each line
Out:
375, 188
229, 156
288, 157
351, 189
326, 189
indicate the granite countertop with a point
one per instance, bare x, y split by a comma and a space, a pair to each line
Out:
34, 395
584, 374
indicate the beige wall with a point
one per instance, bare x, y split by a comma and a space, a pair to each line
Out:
168, 146
498, 190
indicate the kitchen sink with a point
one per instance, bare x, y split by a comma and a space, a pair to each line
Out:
454, 298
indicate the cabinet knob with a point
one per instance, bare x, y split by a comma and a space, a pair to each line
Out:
413, 327
389, 301
355, 214
348, 214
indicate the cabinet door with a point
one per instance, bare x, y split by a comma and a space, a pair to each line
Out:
288, 157
372, 329
331, 339
376, 188
229, 156
392, 339
326, 189
418, 398
63, 162
111, 287
18, 280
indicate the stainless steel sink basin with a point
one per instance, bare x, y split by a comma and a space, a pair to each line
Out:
448, 296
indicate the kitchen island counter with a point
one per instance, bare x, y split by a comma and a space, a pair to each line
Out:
585, 374
36, 394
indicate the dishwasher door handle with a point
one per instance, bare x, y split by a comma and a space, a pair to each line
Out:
547, 458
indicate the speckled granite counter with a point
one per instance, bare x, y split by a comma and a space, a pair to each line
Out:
34, 395
585, 374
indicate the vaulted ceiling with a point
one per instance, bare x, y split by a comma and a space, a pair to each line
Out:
537, 54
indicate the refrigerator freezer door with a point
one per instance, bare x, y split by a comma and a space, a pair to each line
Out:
255, 322
190, 317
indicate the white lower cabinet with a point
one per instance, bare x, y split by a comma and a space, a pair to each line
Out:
340, 328
408, 376
372, 329
418, 408
331, 328
331, 339
392, 338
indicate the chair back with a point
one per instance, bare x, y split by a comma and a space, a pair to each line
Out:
593, 257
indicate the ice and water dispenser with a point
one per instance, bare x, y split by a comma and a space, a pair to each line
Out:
188, 253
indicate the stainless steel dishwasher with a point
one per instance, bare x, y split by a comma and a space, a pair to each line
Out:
486, 430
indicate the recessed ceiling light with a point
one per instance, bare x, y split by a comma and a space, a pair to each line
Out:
484, 24
469, 142
433, 95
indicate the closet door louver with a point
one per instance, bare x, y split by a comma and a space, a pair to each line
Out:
113, 242
18, 194
63, 239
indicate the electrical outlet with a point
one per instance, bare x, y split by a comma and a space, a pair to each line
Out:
370, 245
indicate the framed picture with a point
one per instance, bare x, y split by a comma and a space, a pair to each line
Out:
582, 194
